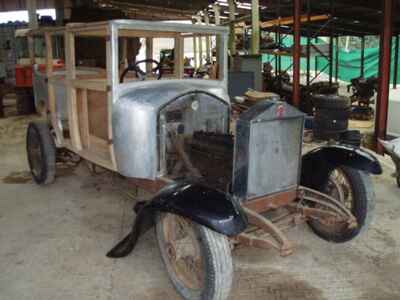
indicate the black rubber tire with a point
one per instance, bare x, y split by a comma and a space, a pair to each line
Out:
25, 102
351, 137
325, 135
363, 207
44, 172
336, 114
218, 263
331, 101
326, 124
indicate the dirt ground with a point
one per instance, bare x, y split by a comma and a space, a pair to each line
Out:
54, 240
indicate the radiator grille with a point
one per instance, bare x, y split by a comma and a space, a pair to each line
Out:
267, 151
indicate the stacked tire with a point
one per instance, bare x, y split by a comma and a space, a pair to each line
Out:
332, 113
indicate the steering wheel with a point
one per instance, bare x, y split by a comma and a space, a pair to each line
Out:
142, 75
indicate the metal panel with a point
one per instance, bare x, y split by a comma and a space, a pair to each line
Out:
135, 120
274, 156
267, 150
251, 63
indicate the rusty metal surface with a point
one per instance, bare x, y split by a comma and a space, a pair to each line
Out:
329, 211
151, 186
281, 243
272, 201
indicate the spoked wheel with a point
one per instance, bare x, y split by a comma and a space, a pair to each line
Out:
41, 153
354, 189
198, 260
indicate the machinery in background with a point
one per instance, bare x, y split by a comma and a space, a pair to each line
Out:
363, 90
30, 50
167, 58
282, 85
329, 111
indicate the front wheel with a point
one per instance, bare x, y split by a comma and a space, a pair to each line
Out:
355, 190
198, 260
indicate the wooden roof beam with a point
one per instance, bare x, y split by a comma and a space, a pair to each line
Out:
290, 20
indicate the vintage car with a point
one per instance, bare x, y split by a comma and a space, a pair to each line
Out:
212, 178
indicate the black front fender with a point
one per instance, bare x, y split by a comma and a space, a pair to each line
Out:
201, 204
317, 164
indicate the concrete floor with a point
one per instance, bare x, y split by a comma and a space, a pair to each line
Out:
54, 239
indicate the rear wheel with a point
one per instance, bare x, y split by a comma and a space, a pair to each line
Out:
198, 260
41, 153
354, 189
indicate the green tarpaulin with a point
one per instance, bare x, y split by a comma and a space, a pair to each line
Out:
349, 62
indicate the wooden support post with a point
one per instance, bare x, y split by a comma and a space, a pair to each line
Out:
221, 47
31, 6
396, 62
195, 57
196, 61
217, 17
208, 38
112, 68
255, 27
71, 91
217, 14
232, 34
201, 50
149, 54
124, 49
384, 75
296, 52
179, 52
200, 41
50, 87
59, 7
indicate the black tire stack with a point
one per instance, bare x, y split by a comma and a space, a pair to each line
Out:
331, 118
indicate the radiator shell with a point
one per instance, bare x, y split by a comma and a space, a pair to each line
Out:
267, 154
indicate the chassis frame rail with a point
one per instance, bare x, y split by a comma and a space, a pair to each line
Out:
303, 204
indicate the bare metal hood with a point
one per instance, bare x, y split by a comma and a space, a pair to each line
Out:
135, 120
156, 94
